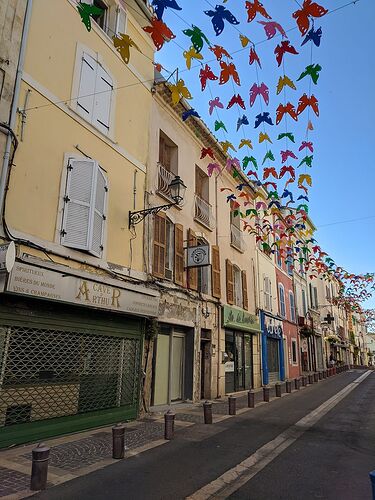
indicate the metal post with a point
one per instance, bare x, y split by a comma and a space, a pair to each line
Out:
372, 478
320, 375
118, 441
278, 390
39, 468
311, 378
304, 381
232, 405
288, 386
266, 394
207, 411
316, 377
324, 373
169, 424
297, 382
251, 399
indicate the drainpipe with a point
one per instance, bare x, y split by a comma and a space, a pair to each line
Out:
217, 304
5, 171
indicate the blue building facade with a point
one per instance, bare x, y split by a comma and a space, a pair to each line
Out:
273, 366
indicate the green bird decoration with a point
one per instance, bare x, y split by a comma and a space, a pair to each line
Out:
312, 70
219, 125
289, 135
268, 156
197, 37
86, 11
304, 207
252, 212
307, 161
247, 160
274, 195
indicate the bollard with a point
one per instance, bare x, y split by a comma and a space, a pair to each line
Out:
207, 411
311, 378
118, 441
334, 370
316, 377
251, 399
169, 425
266, 394
372, 478
232, 405
39, 468
288, 386
320, 375
278, 390
304, 381
297, 383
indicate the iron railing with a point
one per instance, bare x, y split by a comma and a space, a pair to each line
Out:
203, 212
236, 238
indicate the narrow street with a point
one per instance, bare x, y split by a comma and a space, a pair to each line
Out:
314, 443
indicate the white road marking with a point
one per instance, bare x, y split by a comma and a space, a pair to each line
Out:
233, 479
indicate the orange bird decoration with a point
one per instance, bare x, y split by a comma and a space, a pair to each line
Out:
159, 32
306, 101
227, 71
287, 109
309, 9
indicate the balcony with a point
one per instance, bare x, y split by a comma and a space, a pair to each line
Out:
203, 213
236, 238
163, 181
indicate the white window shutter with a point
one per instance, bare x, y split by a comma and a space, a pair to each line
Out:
120, 20
80, 184
103, 99
98, 220
86, 91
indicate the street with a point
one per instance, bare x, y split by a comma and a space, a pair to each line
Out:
314, 443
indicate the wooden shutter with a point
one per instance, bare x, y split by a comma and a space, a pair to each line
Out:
79, 199
164, 153
244, 291
192, 272
98, 214
103, 99
87, 86
216, 284
230, 283
158, 267
179, 254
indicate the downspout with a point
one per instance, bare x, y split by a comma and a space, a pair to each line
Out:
5, 171
217, 304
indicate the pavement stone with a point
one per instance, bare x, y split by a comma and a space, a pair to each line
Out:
12, 481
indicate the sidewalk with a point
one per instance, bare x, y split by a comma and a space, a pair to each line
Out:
79, 454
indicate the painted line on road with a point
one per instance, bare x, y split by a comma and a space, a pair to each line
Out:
233, 479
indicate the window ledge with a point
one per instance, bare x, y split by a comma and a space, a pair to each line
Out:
237, 248
199, 221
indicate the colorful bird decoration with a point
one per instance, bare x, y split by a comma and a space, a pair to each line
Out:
254, 8
282, 110
268, 156
307, 160
88, 11
179, 91
245, 142
220, 125
249, 159
271, 28
283, 82
190, 112
219, 52
215, 103
197, 37
305, 102
306, 145
313, 36
288, 135
206, 74
226, 145
228, 71
191, 54
218, 16
212, 167
122, 44
287, 154
312, 70
263, 136
259, 90
242, 121
254, 58
236, 99
161, 5
263, 118
283, 48
207, 152
159, 32
309, 10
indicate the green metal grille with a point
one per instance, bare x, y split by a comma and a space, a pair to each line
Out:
46, 373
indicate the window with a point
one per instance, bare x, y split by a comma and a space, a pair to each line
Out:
292, 307
95, 94
278, 255
289, 263
204, 278
267, 294
169, 249
215, 272
281, 300
201, 184
238, 299
203, 210
168, 153
304, 303
294, 352
84, 206
236, 237
113, 18
313, 296
100, 19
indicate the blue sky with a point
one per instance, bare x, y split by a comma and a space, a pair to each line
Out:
344, 166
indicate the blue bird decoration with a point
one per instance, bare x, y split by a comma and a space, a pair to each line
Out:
218, 16
313, 36
161, 5
288, 194
263, 118
242, 121
302, 197
189, 112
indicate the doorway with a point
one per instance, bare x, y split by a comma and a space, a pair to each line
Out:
239, 365
205, 364
273, 359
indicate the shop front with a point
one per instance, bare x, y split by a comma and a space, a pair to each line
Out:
272, 349
240, 329
70, 352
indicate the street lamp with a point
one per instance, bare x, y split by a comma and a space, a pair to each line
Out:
177, 190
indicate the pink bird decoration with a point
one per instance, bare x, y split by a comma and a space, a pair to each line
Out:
271, 27
308, 145
287, 154
261, 90
211, 167
215, 103
233, 163
260, 205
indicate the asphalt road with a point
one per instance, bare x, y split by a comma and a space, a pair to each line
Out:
330, 459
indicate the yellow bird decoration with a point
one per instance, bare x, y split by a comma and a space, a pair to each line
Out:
304, 178
191, 54
122, 44
227, 145
245, 142
283, 82
264, 137
244, 41
179, 91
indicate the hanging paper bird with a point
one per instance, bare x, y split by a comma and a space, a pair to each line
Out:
191, 54
271, 194
284, 81
313, 36
283, 48
264, 137
288, 194
304, 178
307, 161
261, 90
303, 207
249, 159
244, 40
211, 167
230, 198
206, 74
242, 121
268, 156
159, 68
218, 16
253, 57
197, 37
220, 125
236, 99
312, 70
290, 170
272, 184
179, 91
289, 135
287, 154
227, 71
307, 145
254, 8
303, 198
252, 172
207, 152
263, 118
86, 11
233, 163
300, 186
161, 5
305, 101
215, 103
122, 44
227, 145
219, 52
190, 112
245, 142
159, 32
310, 125
281, 110
271, 27
309, 9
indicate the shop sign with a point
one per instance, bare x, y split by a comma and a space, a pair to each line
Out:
229, 367
198, 256
273, 327
7, 256
35, 281
240, 319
